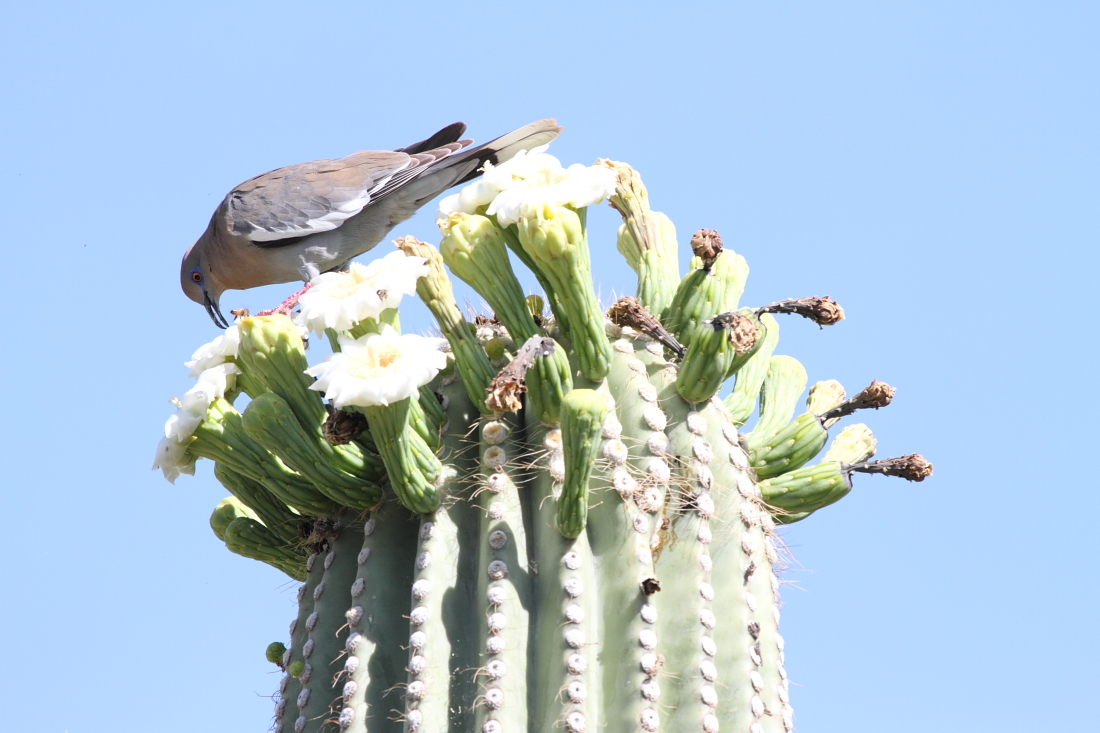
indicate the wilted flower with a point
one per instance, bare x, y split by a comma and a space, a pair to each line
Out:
339, 300
216, 352
524, 185
378, 369
173, 459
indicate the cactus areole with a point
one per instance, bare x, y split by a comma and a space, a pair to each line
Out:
545, 520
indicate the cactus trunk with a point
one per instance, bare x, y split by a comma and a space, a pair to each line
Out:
598, 556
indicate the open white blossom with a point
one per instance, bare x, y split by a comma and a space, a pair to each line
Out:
378, 369
339, 300
524, 185
173, 459
216, 352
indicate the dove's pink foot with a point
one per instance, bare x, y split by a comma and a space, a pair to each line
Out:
287, 305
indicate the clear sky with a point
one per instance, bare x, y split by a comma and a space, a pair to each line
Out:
931, 165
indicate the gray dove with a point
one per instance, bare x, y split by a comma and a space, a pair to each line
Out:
297, 222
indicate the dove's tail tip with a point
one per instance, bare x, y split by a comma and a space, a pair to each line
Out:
506, 146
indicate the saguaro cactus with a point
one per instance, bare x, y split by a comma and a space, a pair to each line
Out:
540, 521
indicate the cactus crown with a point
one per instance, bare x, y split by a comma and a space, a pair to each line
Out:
541, 521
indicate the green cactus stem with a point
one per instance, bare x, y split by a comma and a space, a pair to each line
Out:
714, 346
713, 286
269, 421
410, 463
751, 375
558, 246
436, 292
272, 350
582, 413
474, 250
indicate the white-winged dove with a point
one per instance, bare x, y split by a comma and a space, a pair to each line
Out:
297, 222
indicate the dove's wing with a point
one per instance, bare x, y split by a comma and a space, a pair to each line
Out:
277, 208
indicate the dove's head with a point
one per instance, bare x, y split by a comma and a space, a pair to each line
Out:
199, 283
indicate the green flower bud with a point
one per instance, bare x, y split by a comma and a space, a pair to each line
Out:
228, 509
855, 444
248, 538
410, 463
798, 494
296, 668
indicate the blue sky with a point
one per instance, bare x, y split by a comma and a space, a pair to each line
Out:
932, 166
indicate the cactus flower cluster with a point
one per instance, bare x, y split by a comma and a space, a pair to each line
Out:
548, 518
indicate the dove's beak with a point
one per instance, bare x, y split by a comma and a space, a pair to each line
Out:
213, 311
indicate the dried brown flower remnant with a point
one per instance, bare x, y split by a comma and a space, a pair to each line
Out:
823, 311
743, 332
342, 427
912, 467
510, 382
875, 395
627, 311
707, 245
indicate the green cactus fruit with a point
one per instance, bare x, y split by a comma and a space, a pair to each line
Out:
436, 292
221, 437
410, 462
580, 541
582, 415
798, 494
260, 502
274, 652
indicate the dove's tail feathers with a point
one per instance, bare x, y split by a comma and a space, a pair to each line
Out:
502, 149
450, 134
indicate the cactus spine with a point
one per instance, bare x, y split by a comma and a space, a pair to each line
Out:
577, 539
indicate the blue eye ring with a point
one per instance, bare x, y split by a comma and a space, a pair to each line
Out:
196, 275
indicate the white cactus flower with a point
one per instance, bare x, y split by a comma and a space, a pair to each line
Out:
378, 369
527, 183
339, 300
173, 459
216, 352
191, 408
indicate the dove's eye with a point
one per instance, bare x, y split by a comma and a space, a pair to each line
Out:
196, 275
